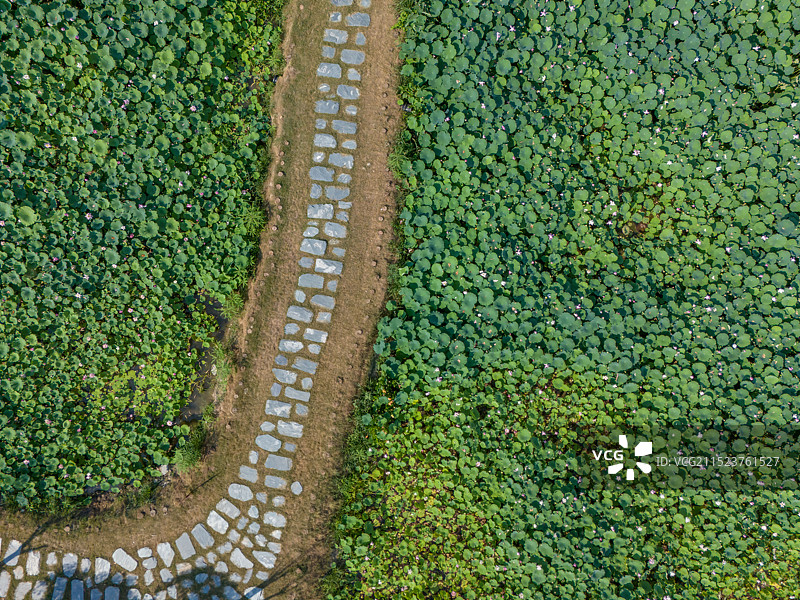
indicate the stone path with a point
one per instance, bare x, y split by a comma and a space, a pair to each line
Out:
233, 551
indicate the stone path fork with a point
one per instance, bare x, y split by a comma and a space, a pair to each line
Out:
231, 553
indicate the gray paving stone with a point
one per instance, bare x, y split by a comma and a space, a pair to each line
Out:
347, 92
267, 426
289, 447
347, 127
112, 593
32, 563
307, 383
166, 575
229, 509
217, 523
313, 246
358, 19
144, 552
341, 2
281, 361
290, 429
320, 211
150, 562
301, 409
248, 474
365, 3
335, 36
351, 110
352, 57
297, 488
316, 190
237, 491
335, 230
124, 560
5, 583
202, 536
315, 335
290, 346
278, 463
324, 317
12, 554
344, 178
342, 216
336, 17
324, 88
97, 594
291, 328
324, 140
39, 590
344, 161
59, 588
321, 174
361, 39
278, 409
329, 70
303, 364
321, 123
102, 569
252, 456
134, 594
240, 560
69, 564
184, 542
332, 284
265, 558
297, 395
275, 519
310, 280
298, 313
253, 593
275, 390
318, 157
349, 145
166, 553
24, 587
271, 481
268, 443
353, 75
283, 375
322, 301
333, 192
306, 262
328, 52
333, 267
327, 107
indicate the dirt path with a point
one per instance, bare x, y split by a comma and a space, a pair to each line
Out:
345, 358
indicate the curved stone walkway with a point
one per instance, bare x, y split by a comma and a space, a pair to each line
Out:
233, 551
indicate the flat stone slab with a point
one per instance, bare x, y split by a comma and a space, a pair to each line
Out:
277, 483
297, 488
335, 230
275, 519
328, 52
335, 36
349, 145
297, 313
237, 491
11, 557
216, 522
268, 443
69, 564
347, 127
248, 474
303, 364
344, 178
332, 267
315, 335
265, 558
358, 19
341, 2
321, 174
310, 280
333, 192
5, 583
202, 536
278, 409
324, 140
279, 463
313, 246
124, 560
361, 39
329, 70
76, 589
102, 568
327, 107
166, 553
283, 375
39, 590
228, 509
184, 542
316, 190
353, 75
32, 563
352, 57
240, 560
344, 161
290, 429
297, 395
320, 211
347, 92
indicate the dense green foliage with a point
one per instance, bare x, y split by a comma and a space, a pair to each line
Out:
129, 139
601, 232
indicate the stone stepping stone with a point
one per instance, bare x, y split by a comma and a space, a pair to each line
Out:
323, 301
336, 17
341, 2
344, 126
332, 284
265, 558
351, 110
275, 519
23, 589
310, 232
248, 474
327, 107
301, 410
336, 231
347, 92
349, 145
124, 560
344, 178
277, 483
321, 173
332, 267
69, 564
320, 211
335, 36
321, 123
278, 409
290, 429
217, 523
166, 553
12, 554
76, 589
352, 57
365, 3
306, 262
184, 542
324, 317
361, 39
237, 491
316, 190
39, 590
328, 52
343, 161
297, 488
268, 443
102, 569
358, 19
315, 335
240, 560
5, 583
303, 364
353, 75
202, 536
310, 280
278, 463
228, 509
313, 246
294, 394
329, 69
32, 563
324, 140
333, 192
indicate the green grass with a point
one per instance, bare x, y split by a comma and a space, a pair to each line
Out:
190, 453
